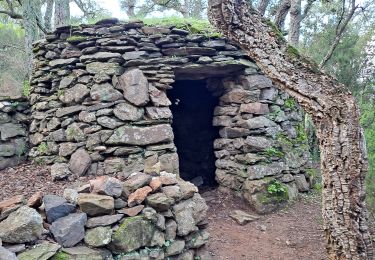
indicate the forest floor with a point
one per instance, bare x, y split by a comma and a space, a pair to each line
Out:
292, 233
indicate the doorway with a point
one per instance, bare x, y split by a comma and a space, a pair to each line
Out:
192, 108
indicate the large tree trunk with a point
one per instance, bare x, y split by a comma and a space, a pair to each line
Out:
62, 13
30, 23
48, 15
281, 13
295, 22
262, 6
334, 112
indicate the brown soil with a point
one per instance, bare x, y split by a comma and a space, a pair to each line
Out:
293, 233
27, 179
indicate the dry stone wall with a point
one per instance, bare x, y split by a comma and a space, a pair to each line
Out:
142, 216
14, 111
100, 106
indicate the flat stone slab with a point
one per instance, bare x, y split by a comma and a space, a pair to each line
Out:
242, 217
134, 135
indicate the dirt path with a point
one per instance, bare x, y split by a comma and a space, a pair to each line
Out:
293, 233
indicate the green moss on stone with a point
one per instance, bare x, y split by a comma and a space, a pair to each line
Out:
61, 256
42, 148
273, 152
290, 103
192, 25
76, 39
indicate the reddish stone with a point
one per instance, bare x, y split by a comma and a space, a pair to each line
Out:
131, 212
106, 185
155, 183
35, 201
138, 196
255, 108
168, 178
12, 202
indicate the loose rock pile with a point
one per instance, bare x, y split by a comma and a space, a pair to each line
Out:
144, 216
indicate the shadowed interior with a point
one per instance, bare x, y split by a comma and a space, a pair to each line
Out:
192, 108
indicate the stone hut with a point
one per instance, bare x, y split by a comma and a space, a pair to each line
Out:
125, 97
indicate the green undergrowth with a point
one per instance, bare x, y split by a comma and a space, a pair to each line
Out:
368, 123
190, 24
275, 192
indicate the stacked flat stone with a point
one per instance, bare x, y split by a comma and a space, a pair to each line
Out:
156, 216
14, 122
99, 106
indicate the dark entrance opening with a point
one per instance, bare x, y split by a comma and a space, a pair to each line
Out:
192, 108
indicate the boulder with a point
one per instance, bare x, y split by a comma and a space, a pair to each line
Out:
260, 171
102, 221
133, 233
36, 200
134, 135
9, 130
136, 181
159, 201
42, 251
62, 62
105, 93
175, 247
257, 122
109, 122
83, 253
189, 213
255, 108
56, 207
99, 236
71, 195
23, 225
70, 230
133, 211
158, 113
128, 112
198, 239
5, 254
257, 143
301, 183
108, 68
60, 171
242, 217
75, 94
65, 111
80, 162
106, 185
95, 205
134, 86
138, 196
99, 56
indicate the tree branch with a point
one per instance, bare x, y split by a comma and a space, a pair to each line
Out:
340, 29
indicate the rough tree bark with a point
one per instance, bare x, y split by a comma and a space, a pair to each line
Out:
281, 13
262, 6
295, 22
48, 15
62, 13
30, 23
334, 112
